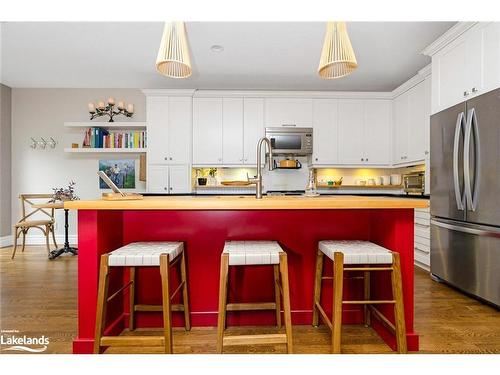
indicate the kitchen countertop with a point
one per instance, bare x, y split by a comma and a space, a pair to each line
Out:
245, 202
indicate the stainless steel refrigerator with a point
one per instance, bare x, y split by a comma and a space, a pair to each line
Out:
465, 196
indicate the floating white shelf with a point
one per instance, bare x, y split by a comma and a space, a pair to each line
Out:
82, 150
106, 125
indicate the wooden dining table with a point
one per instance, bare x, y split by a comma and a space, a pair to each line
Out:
66, 248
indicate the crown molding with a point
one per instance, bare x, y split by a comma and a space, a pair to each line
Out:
294, 94
425, 71
168, 92
454, 32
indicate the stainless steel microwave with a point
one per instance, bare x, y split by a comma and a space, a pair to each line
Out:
291, 140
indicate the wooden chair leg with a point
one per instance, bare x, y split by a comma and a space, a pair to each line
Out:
286, 301
131, 322
224, 268
52, 229
338, 277
277, 294
317, 286
16, 235
367, 298
47, 234
399, 313
24, 231
185, 299
102, 294
167, 314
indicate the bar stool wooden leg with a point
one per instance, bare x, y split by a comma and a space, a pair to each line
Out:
338, 277
221, 321
16, 235
131, 322
185, 300
399, 314
102, 295
277, 294
367, 298
286, 301
167, 314
317, 287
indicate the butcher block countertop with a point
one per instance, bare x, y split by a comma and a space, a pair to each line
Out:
249, 203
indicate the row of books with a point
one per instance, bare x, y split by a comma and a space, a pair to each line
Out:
102, 138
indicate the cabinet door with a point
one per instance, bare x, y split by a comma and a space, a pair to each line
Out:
325, 131
232, 130
179, 129
418, 120
377, 132
288, 112
157, 129
179, 179
350, 132
449, 73
400, 126
157, 179
207, 131
253, 128
491, 56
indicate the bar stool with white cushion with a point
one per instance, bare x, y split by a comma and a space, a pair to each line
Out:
252, 253
142, 254
366, 257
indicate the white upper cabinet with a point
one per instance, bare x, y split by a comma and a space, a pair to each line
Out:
253, 128
207, 131
401, 123
411, 121
325, 131
350, 134
377, 132
467, 66
157, 129
288, 112
232, 130
169, 129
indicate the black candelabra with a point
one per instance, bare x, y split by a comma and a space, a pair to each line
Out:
108, 109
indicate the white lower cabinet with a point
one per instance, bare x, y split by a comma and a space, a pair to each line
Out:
422, 237
168, 179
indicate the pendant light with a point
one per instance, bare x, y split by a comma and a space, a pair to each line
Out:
337, 57
173, 57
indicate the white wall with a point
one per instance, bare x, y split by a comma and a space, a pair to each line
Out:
41, 113
5, 164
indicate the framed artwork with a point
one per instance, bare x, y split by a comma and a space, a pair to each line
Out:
121, 172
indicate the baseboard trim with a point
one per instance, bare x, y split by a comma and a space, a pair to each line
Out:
423, 266
38, 239
6, 241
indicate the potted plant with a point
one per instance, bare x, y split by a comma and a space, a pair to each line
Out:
201, 177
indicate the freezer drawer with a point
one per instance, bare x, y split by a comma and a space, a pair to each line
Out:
468, 257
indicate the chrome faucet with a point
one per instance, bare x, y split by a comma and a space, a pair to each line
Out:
258, 180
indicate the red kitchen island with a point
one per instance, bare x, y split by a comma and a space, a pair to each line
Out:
203, 223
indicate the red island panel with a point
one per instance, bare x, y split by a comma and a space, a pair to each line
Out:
204, 233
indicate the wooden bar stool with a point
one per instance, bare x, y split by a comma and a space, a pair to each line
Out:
143, 254
251, 253
360, 255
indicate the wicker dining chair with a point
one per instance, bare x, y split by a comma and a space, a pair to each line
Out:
45, 223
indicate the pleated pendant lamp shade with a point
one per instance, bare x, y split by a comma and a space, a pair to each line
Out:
173, 56
337, 57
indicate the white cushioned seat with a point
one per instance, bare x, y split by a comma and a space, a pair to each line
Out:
252, 252
357, 252
144, 253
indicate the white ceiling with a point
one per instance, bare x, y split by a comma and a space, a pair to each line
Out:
257, 55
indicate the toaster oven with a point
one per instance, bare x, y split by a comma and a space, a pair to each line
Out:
414, 183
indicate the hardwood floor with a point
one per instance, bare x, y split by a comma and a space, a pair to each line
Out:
38, 297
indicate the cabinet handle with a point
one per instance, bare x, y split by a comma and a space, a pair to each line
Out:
426, 152
316, 159
466, 93
288, 125
362, 159
402, 157
170, 158
171, 188
366, 159
246, 159
474, 90
165, 188
165, 158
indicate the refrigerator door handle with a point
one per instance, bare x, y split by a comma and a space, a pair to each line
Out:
459, 196
476, 230
471, 129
